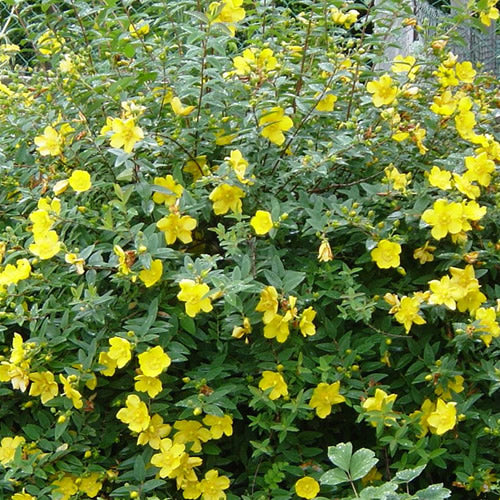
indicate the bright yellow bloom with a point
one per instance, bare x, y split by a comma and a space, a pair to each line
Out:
306, 324
443, 418
185, 476
151, 385
487, 324
251, 61
277, 328
120, 350
465, 72
275, 382
275, 122
456, 384
491, 15
307, 487
90, 484
169, 457
464, 185
13, 274
197, 167
444, 218
60, 187
230, 13
238, 164
73, 259
80, 181
445, 292
405, 65
195, 296
399, 181
242, 331
42, 222
66, 486
191, 431
381, 402
154, 361
46, 245
22, 496
109, 363
173, 191
125, 134
324, 396
325, 253
424, 254
383, 90
425, 411
446, 76
225, 198
43, 385
213, 486
444, 104
262, 222
124, 260
479, 168
70, 392
464, 123
177, 227
440, 178
50, 143
219, 425
408, 313
346, 19
327, 103
179, 109
156, 431
8, 447
386, 254
135, 415
138, 30
152, 275
49, 43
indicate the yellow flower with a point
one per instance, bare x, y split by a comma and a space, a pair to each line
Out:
424, 254
440, 178
179, 109
169, 458
443, 418
446, 76
138, 30
49, 43
60, 187
382, 402
120, 351
213, 486
195, 296
386, 254
156, 431
383, 90
491, 15
109, 363
154, 361
425, 411
151, 385
268, 303
262, 222
408, 313
197, 167
176, 227
464, 123
125, 134
444, 218
80, 181
46, 245
445, 292
405, 65
66, 486
42, 221
225, 198
219, 425
173, 190
464, 185
372, 476
242, 331
275, 122
70, 392
325, 253
230, 13
275, 382
307, 487
8, 447
324, 396
22, 496
135, 415
50, 143
152, 275
73, 259
90, 484
238, 164
277, 328
43, 385
306, 324
249, 61
327, 103
465, 72
191, 431
456, 384
13, 274
479, 168
399, 180
444, 104
487, 324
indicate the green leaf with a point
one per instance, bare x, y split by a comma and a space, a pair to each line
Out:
433, 492
139, 468
361, 463
340, 455
408, 475
333, 477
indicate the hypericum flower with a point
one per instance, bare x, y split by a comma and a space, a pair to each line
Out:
277, 328
383, 90
440, 178
179, 109
446, 76
151, 385
306, 324
307, 487
443, 418
456, 384
464, 185
487, 324
326, 103
177, 227
275, 122
49, 43
444, 218
444, 104
80, 181
425, 411
465, 72
262, 222
8, 447
120, 351
238, 164
191, 431
154, 361
381, 402
324, 396
172, 189
66, 486
46, 245
197, 167
268, 303
479, 168
22, 496
90, 484
346, 19
135, 415
138, 30
185, 476
230, 13
242, 331
125, 134
43, 385
275, 382
74, 260
108, 363
445, 292
42, 222
399, 180
225, 198
156, 431
213, 486
195, 296
251, 60
70, 392
219, 425
405, 65
424, 254
60, 187
325, 253
464, 123
408, 313
50, 143
169, 457
152, 275
386, 254
13, 274
490, 14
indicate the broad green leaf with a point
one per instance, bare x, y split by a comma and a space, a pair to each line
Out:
408, 475
433, 492
361, 463
333, 477
340, 455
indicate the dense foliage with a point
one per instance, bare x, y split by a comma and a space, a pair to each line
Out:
244, 255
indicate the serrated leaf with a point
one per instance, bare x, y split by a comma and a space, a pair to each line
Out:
433, 492
408, 475
340, 455
361, 463
378, 492
333, 477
